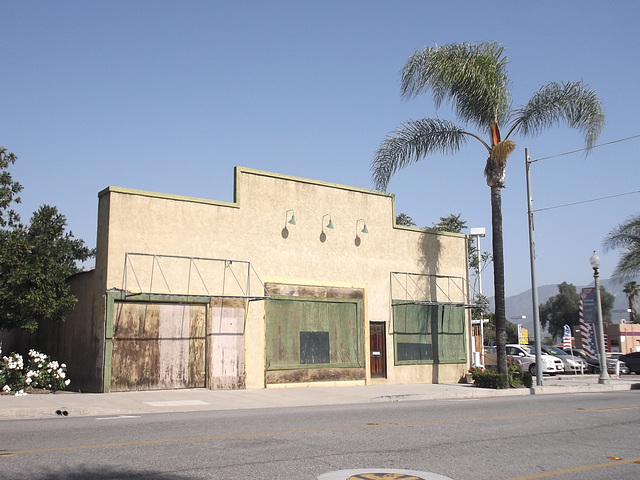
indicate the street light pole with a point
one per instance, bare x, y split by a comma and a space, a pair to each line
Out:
478, 233
604, 374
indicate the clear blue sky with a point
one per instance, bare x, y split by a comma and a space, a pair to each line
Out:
169, 96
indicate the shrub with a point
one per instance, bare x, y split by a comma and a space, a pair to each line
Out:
41, 372
475, 372
491, 379
11, 373
514, 370
514, 378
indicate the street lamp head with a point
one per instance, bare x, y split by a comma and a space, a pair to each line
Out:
595, 261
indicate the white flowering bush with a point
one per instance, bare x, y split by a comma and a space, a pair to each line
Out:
11, 373
41, 372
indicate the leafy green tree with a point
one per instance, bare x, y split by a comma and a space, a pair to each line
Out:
480, 310
490, 331
474, 79
9, 190
632, 290
560, 310
606, 300
626, 237
564, 309
404, 219
452, 223
35, 260
35, 263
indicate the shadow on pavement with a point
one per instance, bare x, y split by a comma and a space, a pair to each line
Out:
109, 473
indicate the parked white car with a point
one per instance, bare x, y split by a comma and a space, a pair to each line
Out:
527, 355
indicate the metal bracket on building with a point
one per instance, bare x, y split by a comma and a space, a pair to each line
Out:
151, 274
429, 289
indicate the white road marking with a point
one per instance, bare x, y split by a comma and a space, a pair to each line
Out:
118, 417
177, 403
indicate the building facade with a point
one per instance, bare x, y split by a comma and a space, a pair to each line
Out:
295, 282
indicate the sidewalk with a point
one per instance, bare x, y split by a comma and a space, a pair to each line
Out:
134, 403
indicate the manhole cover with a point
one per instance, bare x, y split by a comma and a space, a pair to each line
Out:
381, 474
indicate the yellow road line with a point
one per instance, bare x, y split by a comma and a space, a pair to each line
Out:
576, 469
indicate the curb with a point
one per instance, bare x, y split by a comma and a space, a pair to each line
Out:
83, 405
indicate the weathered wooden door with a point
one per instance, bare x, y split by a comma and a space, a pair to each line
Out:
377, 350
225, 350
158, 346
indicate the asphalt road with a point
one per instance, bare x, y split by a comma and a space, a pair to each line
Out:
550, 436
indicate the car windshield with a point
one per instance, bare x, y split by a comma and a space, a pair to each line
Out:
555, 351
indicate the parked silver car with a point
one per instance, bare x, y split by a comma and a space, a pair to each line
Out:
572, 364
593, 362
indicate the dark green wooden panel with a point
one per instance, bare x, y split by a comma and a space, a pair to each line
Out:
451, 335
413, 326
286, 319
429, 333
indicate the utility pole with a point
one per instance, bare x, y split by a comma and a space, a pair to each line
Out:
534, 286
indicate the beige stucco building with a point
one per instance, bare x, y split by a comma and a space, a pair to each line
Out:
295, 282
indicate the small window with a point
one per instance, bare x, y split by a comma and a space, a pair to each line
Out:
314, 348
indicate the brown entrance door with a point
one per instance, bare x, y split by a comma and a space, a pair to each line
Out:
377, 353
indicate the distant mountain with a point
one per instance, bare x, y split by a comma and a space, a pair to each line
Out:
518, 305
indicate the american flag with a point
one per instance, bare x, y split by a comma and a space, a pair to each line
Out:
566, 338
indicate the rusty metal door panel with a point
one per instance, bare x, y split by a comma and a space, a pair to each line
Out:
197, 346
158, 346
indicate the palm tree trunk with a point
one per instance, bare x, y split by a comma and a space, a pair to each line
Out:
498, 277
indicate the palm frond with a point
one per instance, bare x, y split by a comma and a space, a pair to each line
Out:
571, 102
626, 237
473, 77
413, 141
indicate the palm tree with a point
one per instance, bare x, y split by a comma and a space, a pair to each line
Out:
474, 79
627, 237
632, 289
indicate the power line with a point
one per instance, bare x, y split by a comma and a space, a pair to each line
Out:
583, 149
584, 201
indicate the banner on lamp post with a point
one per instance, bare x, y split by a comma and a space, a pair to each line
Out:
588, 297
587, 313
